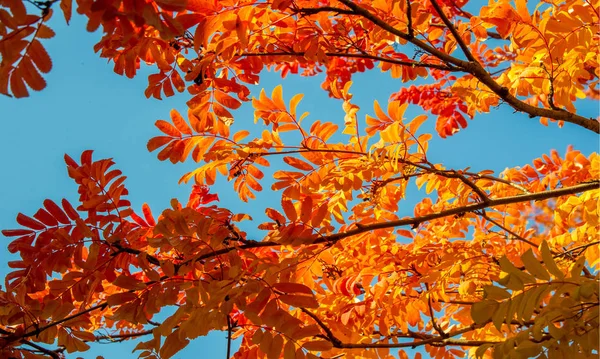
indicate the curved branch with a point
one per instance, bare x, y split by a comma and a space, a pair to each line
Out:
588, 186
475, 69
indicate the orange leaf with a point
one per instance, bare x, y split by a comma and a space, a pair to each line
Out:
318, 345
66, 7
56, 211
306, 209
173, 344
128, 282
167, 128
289, 209
45, 32
40, 57
290, 287
227, 100
148, 215
180, 123
299, 301
298, 163
157, 142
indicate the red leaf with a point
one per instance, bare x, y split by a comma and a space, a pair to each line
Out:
29, 222
56, 211
21, 242
86, 157
46, 218
139, 220
71, 212
16, 232
200, 196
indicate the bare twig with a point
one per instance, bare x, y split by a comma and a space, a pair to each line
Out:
360, 56
515, 235
411, 31
332, 338
316, 10
229, 328
51, 353
432, 316
122, 337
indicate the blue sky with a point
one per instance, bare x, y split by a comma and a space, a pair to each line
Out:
87, 106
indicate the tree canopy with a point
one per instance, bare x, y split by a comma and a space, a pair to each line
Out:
489, 265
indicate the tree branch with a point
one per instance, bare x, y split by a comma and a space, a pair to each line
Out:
450, 26
360, 56
332, 338
411, 31
51, 353
475, 69
122, 337
520, 238
228, 354
37, 331
316, 10
434, 323
469, 208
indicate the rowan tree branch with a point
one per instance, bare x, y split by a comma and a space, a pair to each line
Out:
450, 26
122, 337
37, 331
229, 328
515, 235
434, 323
360, 56
463, 209
481, 74
316, 10
51, 353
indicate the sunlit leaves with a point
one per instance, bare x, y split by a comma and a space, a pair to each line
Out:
343, 263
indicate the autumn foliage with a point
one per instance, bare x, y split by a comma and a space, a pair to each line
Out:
489, 265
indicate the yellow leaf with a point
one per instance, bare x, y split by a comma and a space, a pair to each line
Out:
533, 266
495, 293
277, 96
481, 312
294, 103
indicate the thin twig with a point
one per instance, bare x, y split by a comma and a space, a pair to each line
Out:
229, 328
515, 235
432, 316
316, 10
332, 338
50, 353
360, 56
411, 31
